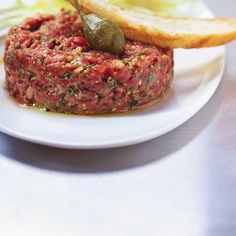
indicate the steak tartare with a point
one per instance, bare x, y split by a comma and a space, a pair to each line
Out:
50, 64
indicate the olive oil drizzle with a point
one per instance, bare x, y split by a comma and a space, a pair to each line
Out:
1, 59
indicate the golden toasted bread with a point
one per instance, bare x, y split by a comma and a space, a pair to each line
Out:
170, 32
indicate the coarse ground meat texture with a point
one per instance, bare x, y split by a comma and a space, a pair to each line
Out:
50, 64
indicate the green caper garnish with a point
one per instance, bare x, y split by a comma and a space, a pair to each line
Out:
101, 33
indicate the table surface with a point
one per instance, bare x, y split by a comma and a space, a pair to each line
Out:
182, 183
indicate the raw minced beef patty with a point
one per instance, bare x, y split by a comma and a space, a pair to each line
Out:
49, 64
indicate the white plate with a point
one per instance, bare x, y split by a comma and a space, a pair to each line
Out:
197, 76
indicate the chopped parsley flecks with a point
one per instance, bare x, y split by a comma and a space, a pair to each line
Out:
68, 75
63, 101
151, 78
72, 90
133, 103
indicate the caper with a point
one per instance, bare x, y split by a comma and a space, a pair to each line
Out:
101, 33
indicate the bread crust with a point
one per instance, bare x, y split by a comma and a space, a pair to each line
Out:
166, 32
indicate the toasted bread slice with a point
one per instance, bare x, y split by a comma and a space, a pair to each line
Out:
170, 32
